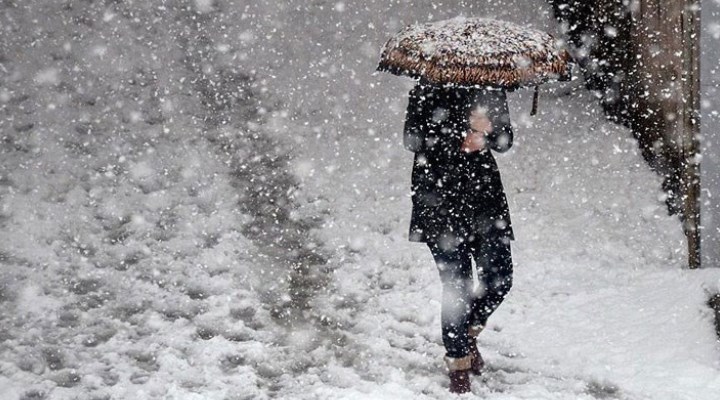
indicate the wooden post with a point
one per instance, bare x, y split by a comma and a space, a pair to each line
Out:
690, 147
668, 58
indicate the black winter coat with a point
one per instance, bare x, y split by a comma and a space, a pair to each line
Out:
456, 195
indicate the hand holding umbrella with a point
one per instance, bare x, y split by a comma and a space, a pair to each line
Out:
480, 126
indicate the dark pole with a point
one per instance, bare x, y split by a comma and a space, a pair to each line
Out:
691, 129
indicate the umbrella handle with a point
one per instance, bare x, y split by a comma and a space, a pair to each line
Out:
535, 101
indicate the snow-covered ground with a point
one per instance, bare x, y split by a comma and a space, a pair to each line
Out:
158, 243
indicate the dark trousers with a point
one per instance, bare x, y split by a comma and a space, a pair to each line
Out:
461, 305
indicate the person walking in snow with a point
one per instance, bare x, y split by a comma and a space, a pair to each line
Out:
459, 209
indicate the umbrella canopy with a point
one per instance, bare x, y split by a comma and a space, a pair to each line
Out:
475, 51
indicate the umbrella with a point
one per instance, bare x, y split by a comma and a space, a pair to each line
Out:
476, 52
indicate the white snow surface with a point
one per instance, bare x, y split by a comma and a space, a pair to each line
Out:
130, 269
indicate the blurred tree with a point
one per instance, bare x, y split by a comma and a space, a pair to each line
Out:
642, 56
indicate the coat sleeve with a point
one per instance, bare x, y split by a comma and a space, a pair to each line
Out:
500, 138
416, 119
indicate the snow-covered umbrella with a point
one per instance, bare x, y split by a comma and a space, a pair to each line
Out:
476, 51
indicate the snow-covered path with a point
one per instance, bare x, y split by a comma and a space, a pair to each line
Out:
601, 307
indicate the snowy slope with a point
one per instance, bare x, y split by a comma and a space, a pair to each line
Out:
132, 262
135, 157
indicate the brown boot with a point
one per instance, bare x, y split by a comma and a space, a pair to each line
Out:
474, 330
477, 364
459, 368
477, 361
